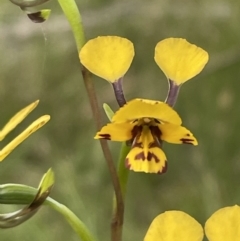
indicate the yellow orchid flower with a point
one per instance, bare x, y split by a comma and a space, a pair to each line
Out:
179, 60
223, 225
145, 124
14, 121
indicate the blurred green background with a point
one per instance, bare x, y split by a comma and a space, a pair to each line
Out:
39, 61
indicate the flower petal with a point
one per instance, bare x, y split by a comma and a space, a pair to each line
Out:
116, 132
16, 119
224, 225
139, 108
25, 134
176, 134
146, 154
108, 57
180, 60
174, 226
154, 162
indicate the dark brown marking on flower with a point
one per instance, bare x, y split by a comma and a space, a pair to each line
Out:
140, 156
105, 136
187, 141
154, 144
136, 133
155, 131
151, 156
156, 103
164, 169
138, 144
136, 130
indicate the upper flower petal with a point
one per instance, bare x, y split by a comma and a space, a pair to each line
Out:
224, 225
176, 134
174, 226
116, 132
140, 108
180, 60
108, 57
17, 118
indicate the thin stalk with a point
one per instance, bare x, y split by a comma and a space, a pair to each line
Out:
118, 91
117, 219
72, 13
172, 93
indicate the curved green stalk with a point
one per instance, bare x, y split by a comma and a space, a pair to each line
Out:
21, 194
74, 18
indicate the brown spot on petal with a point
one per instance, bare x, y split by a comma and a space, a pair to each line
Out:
155, 131
187, 141
105, 136
140, 156
151, 156
136, 130
164, 168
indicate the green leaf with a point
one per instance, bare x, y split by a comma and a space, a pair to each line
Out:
13, 219
109, 112
22, 194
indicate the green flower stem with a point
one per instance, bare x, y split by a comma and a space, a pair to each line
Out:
122, 170
21, 194
123, 179
74, 18
71, 11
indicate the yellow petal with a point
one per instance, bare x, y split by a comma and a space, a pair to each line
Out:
25, 134
146, 154
154, 162
108, 57
139, 108
180, 60
16, 119
116, 132
224, 225
176, 134
174, 226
